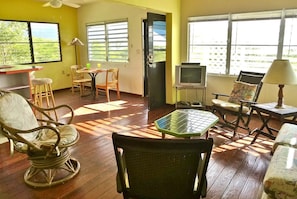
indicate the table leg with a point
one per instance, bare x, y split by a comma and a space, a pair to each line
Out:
93, 86
264, 125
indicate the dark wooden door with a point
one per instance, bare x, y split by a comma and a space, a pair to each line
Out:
155, 60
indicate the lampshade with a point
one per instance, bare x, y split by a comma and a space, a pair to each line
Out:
56, 3
280, 72
77, 42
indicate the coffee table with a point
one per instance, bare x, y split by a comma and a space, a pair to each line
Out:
186, 123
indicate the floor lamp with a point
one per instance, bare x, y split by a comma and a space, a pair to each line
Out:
281, 73
76, 42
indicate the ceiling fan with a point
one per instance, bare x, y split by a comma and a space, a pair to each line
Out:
59, 3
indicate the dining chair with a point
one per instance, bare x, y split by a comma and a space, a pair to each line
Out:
78, 80
111, 81
161, 168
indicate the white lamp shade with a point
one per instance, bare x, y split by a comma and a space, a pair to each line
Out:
76, 41
280, 72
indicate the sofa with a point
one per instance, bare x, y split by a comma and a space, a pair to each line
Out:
280, 181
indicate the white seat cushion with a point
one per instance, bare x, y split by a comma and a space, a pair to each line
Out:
229, 106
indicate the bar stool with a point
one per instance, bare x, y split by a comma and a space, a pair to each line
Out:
42, 88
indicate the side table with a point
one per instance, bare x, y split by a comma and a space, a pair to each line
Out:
267, 111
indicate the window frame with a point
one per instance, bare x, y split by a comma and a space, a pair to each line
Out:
281, 15
31, 43
108, 42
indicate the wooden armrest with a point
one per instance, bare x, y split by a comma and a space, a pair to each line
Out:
247, 102
217, 95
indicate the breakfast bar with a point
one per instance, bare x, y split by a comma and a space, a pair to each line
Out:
16, 78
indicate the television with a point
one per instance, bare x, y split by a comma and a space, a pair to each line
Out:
190, 75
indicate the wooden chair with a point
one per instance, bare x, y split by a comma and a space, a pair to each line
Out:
78, 80
111, 81
161, 168
245, 92
45, 140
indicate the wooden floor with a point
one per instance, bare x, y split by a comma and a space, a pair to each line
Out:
236, 168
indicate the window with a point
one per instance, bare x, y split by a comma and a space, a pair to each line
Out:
108, 42
208, 44
159, 41
254, 44
290, 41
29, 42
227, 44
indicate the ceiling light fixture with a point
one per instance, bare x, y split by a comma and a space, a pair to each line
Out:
56, 3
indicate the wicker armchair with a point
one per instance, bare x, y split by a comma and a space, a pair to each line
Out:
44, 140
161, 168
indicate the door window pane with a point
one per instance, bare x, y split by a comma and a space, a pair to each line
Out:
159, 41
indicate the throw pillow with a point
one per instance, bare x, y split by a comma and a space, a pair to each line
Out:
242, 91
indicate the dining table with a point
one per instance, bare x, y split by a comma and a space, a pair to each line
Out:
92, 72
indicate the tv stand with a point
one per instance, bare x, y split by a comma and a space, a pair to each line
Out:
188, 104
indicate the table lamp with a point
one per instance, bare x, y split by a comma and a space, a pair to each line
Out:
76, 42
281, 73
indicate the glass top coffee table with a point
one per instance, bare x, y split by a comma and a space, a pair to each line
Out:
186, 123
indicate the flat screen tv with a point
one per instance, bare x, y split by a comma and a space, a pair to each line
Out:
190, 75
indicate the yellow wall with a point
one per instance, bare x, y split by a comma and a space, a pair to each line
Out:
32, 10
223, 84
136, 11
131, 73
177, 12
73, 26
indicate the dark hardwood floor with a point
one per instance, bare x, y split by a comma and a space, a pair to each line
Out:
236, 168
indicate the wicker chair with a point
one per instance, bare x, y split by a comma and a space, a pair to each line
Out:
161, 168
44, 140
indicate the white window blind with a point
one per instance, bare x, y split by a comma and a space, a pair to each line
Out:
108, 42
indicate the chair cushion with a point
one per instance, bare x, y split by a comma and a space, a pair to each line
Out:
47, 137
287, 135
16, 112
242, 91
229, 106
280, 178
68, 135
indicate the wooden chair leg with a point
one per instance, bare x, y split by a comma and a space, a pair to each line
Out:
107, 95
80, 89
118, 92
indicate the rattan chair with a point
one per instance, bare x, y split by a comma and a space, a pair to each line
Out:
44, 140
161, 168
245, 92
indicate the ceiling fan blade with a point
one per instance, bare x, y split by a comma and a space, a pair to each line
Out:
71, 4
46, 4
